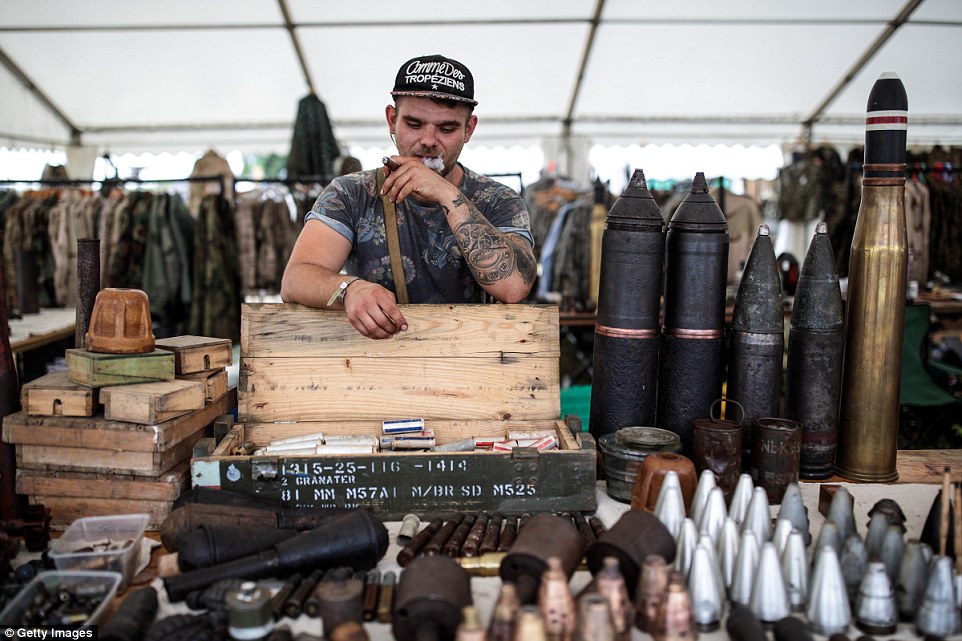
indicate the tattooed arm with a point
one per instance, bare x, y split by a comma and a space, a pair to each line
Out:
503, 264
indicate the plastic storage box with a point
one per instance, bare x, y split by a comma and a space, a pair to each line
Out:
109, 543
103, 584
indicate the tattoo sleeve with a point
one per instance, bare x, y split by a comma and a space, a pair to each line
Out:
490, 254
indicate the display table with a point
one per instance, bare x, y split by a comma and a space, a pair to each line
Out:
914, 498
36, 330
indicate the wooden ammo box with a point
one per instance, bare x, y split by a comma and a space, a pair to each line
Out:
75, 444
94, 369
195, 354
151, 403
54, 395
72, 495
98, 467
467, 370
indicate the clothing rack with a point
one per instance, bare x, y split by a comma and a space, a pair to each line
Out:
295, 180
76, 182
514, 174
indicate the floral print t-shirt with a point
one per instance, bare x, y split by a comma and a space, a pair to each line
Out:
434, 269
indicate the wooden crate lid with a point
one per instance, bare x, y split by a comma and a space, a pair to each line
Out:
468, 362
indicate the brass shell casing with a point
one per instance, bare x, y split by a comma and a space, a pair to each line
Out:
875, 321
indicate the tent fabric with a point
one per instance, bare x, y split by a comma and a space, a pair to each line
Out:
195, 74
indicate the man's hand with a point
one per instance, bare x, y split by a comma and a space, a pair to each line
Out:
372, 310
412, 177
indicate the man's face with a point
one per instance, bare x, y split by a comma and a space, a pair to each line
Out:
428, 129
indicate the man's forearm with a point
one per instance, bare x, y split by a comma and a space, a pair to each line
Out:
310, 285
503, 264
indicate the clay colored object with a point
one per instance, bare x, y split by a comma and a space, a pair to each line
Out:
651, 474
120, 323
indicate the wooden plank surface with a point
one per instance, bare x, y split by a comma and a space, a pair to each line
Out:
444, 331
75, 459
100, 434
920, 466
166, 487
151, 403
314, 388
445, 431
36, 330
215, 381
64, 510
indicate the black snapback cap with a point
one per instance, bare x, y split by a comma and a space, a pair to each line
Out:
435, 77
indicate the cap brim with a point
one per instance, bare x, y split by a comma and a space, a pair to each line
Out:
434, 94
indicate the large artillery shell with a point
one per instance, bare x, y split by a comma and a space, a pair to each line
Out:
875, 309
691, 361
816, 346
625, 373
757, 344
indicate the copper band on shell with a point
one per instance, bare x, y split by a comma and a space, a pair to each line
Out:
622, 332
700, 334
883, 182
895, 166
883, 174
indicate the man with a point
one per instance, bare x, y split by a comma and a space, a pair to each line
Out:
461, 234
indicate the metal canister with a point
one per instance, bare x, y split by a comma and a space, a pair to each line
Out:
717, 446
249, 612
776, 447
623, 452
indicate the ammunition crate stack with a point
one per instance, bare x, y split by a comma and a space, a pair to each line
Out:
466, 370
132, 453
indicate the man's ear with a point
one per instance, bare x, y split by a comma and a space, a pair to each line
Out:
390, 114
469, 127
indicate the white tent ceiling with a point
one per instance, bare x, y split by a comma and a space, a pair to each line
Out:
190, 74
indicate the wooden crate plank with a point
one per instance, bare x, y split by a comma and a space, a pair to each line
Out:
313, 388
215, 381
151, 403
444, 331
98, 433
97, 370
445, 431
64, 510
76, 459
233, 438
166, 487
194, 354
55, 395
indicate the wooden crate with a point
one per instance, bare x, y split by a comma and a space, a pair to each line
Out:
467, 362
193, 354
98, 370
73, 444
468, 370
72, 495
398, 483
54, 395
150, 403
